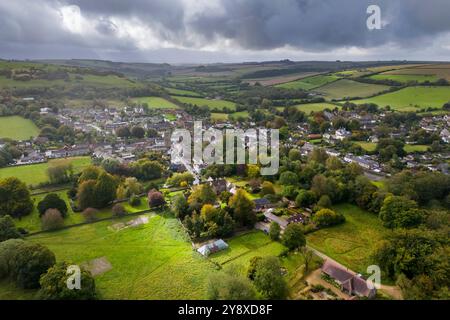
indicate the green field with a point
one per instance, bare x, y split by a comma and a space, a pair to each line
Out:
17, 128
352, 242
309, 83
182, 92
343, 89
156, 103
85, 80
242, 248
411, 148
32, 222
312, 107
152, 261
404, 78
368, 146
219, 116
240, 114
412, 98
34, 174
212, 104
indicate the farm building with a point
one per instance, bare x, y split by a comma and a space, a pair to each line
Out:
273, 218
213, 247
349, 282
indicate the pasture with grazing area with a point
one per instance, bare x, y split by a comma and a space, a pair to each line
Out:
156, 103
151, 261
17, 128
309, 83
352, 242
343, 89
212, 104
404, 78
313, 107
411, 98
35, 174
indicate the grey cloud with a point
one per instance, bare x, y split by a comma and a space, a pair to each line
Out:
34, 26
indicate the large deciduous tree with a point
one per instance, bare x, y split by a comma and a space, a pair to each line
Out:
15, 199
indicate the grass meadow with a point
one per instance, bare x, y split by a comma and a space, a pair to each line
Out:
156, 103
17, 128
352, 242
344, 88
411, 98
34, 174
212, 104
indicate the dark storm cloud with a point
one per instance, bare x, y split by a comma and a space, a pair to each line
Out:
31, 26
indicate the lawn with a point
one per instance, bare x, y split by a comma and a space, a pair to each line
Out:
352, 242
412, 98
411, 148
309, 83
34, 174
368, 146
343, 89
17, 128
243, 247
156, 103
152, 261
212, 104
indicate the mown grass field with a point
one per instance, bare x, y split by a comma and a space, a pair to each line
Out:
404, 78
34, 174
352, 242
216, 105
156, 103
411, 98
309, 83
242, 248
151, 261
17, 128
343, 89
312, 107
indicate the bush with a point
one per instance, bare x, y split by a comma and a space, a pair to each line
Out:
324, 202
134, 201
155, 198
327, 217
118, 210
274, 231
52, 201
90, 214
54, 285
52, 219
7, 229
267, 188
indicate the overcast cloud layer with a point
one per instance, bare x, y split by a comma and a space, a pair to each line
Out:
184, 31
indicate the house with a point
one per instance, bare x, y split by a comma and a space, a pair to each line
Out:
342, 134
273, 218
349, 282
219, 186
445, 136
262, 204
213, 247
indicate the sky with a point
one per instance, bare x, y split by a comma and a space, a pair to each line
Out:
209, 31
